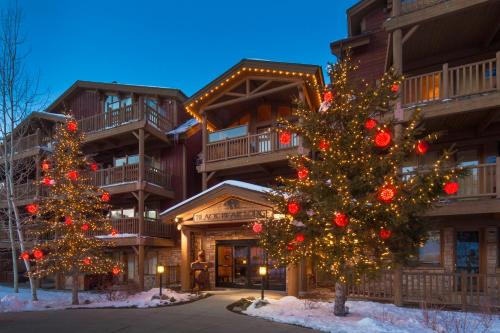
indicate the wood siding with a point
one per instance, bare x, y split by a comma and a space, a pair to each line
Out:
84, 104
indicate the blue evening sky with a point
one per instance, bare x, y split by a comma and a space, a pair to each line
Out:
180, 44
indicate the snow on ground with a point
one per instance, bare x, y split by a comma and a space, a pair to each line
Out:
370, 317
54, 300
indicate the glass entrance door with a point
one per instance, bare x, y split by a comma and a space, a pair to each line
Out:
467, 251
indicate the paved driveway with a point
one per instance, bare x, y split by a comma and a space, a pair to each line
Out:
208, 315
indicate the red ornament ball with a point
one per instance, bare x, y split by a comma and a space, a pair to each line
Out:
68, 220
94, 166
387, 193
38, 254
32, 209
72, 126
395, 88
85, 227
25, 255
385, 234
341, 219
370, 123
293, 207
116, 270
257, 227
290, 247
451, 188
422, 147
45, 166
73, 175
328, 96
285, 138
87, 261
114, 232
105, 197
302, 173
382, 138
47, 181
300, 237
324, 145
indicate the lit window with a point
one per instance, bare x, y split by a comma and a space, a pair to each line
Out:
430, 253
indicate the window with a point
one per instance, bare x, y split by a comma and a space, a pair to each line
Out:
151, 263
228, 133
151, 214
430, 253
121, 213
120, 161
131, 266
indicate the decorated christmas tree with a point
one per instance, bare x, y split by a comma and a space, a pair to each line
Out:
351, 207
73, 211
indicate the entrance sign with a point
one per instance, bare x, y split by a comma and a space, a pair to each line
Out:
232, 209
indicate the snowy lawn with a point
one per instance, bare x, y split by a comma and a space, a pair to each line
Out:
54, 300
372, 317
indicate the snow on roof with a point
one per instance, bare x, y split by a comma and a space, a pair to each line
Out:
183, 127
50, 114
236, 183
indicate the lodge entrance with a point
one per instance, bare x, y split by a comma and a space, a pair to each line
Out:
237, 266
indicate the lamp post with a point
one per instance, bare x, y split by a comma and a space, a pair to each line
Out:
160, 269
262, 273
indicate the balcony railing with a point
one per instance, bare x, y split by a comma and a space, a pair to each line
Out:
408, 6
28, 142
248, 145
454, 82
152, 227
123, 116
129, 173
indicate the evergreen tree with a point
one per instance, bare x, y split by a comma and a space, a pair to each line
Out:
350, 207
73, 211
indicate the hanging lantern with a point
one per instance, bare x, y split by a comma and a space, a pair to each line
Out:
105, 197
45, 166
422, 147
32, 209
323, 145
341, 219
302, 173
85, 227
385, 234
87, 261
370, 123
68, 220
72, 126
257, 227
451, 188
285, 138
395, 88
38, 254
382, 138
72, 175
328, 96
300, 237
293, 207
94, 166
25, 255
116, 270
387, 193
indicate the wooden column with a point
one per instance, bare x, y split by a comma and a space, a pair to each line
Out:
140, 199
140, 268
398, 286
204, 128
498, 70
292, 277
445, 83
185, 259
397, 56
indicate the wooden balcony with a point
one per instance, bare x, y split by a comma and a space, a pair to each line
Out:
247, 150
29, 145
126, 118
470, 86
152, 228
408, 6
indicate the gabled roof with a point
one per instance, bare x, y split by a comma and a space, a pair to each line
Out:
222, 188
118, 87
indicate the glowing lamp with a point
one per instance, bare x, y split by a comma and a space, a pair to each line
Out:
300, 237
257, 227
451, 188
323, 145
385, 234
293, 207
328, 96
87, 261
38, 254
25, 255
85, 227
116, 270
395, 88
382, 139
422, 147
370, 123
68, 220
105, 197
285, 138
160, 269
72, 175
387, 193
302, 173
262, 270
72, 126
341, 219
32, 209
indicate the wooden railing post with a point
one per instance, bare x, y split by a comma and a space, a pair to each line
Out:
398, 286
463, 289
498, 70
497, 176
444, 87
248, 144
226, 148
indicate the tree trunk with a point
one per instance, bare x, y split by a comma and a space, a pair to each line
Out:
74, 290
339, 308
13, 250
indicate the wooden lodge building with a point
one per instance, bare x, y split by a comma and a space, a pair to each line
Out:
187, 174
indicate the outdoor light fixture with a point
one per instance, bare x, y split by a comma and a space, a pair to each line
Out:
160, 269
179, 227
262, 273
